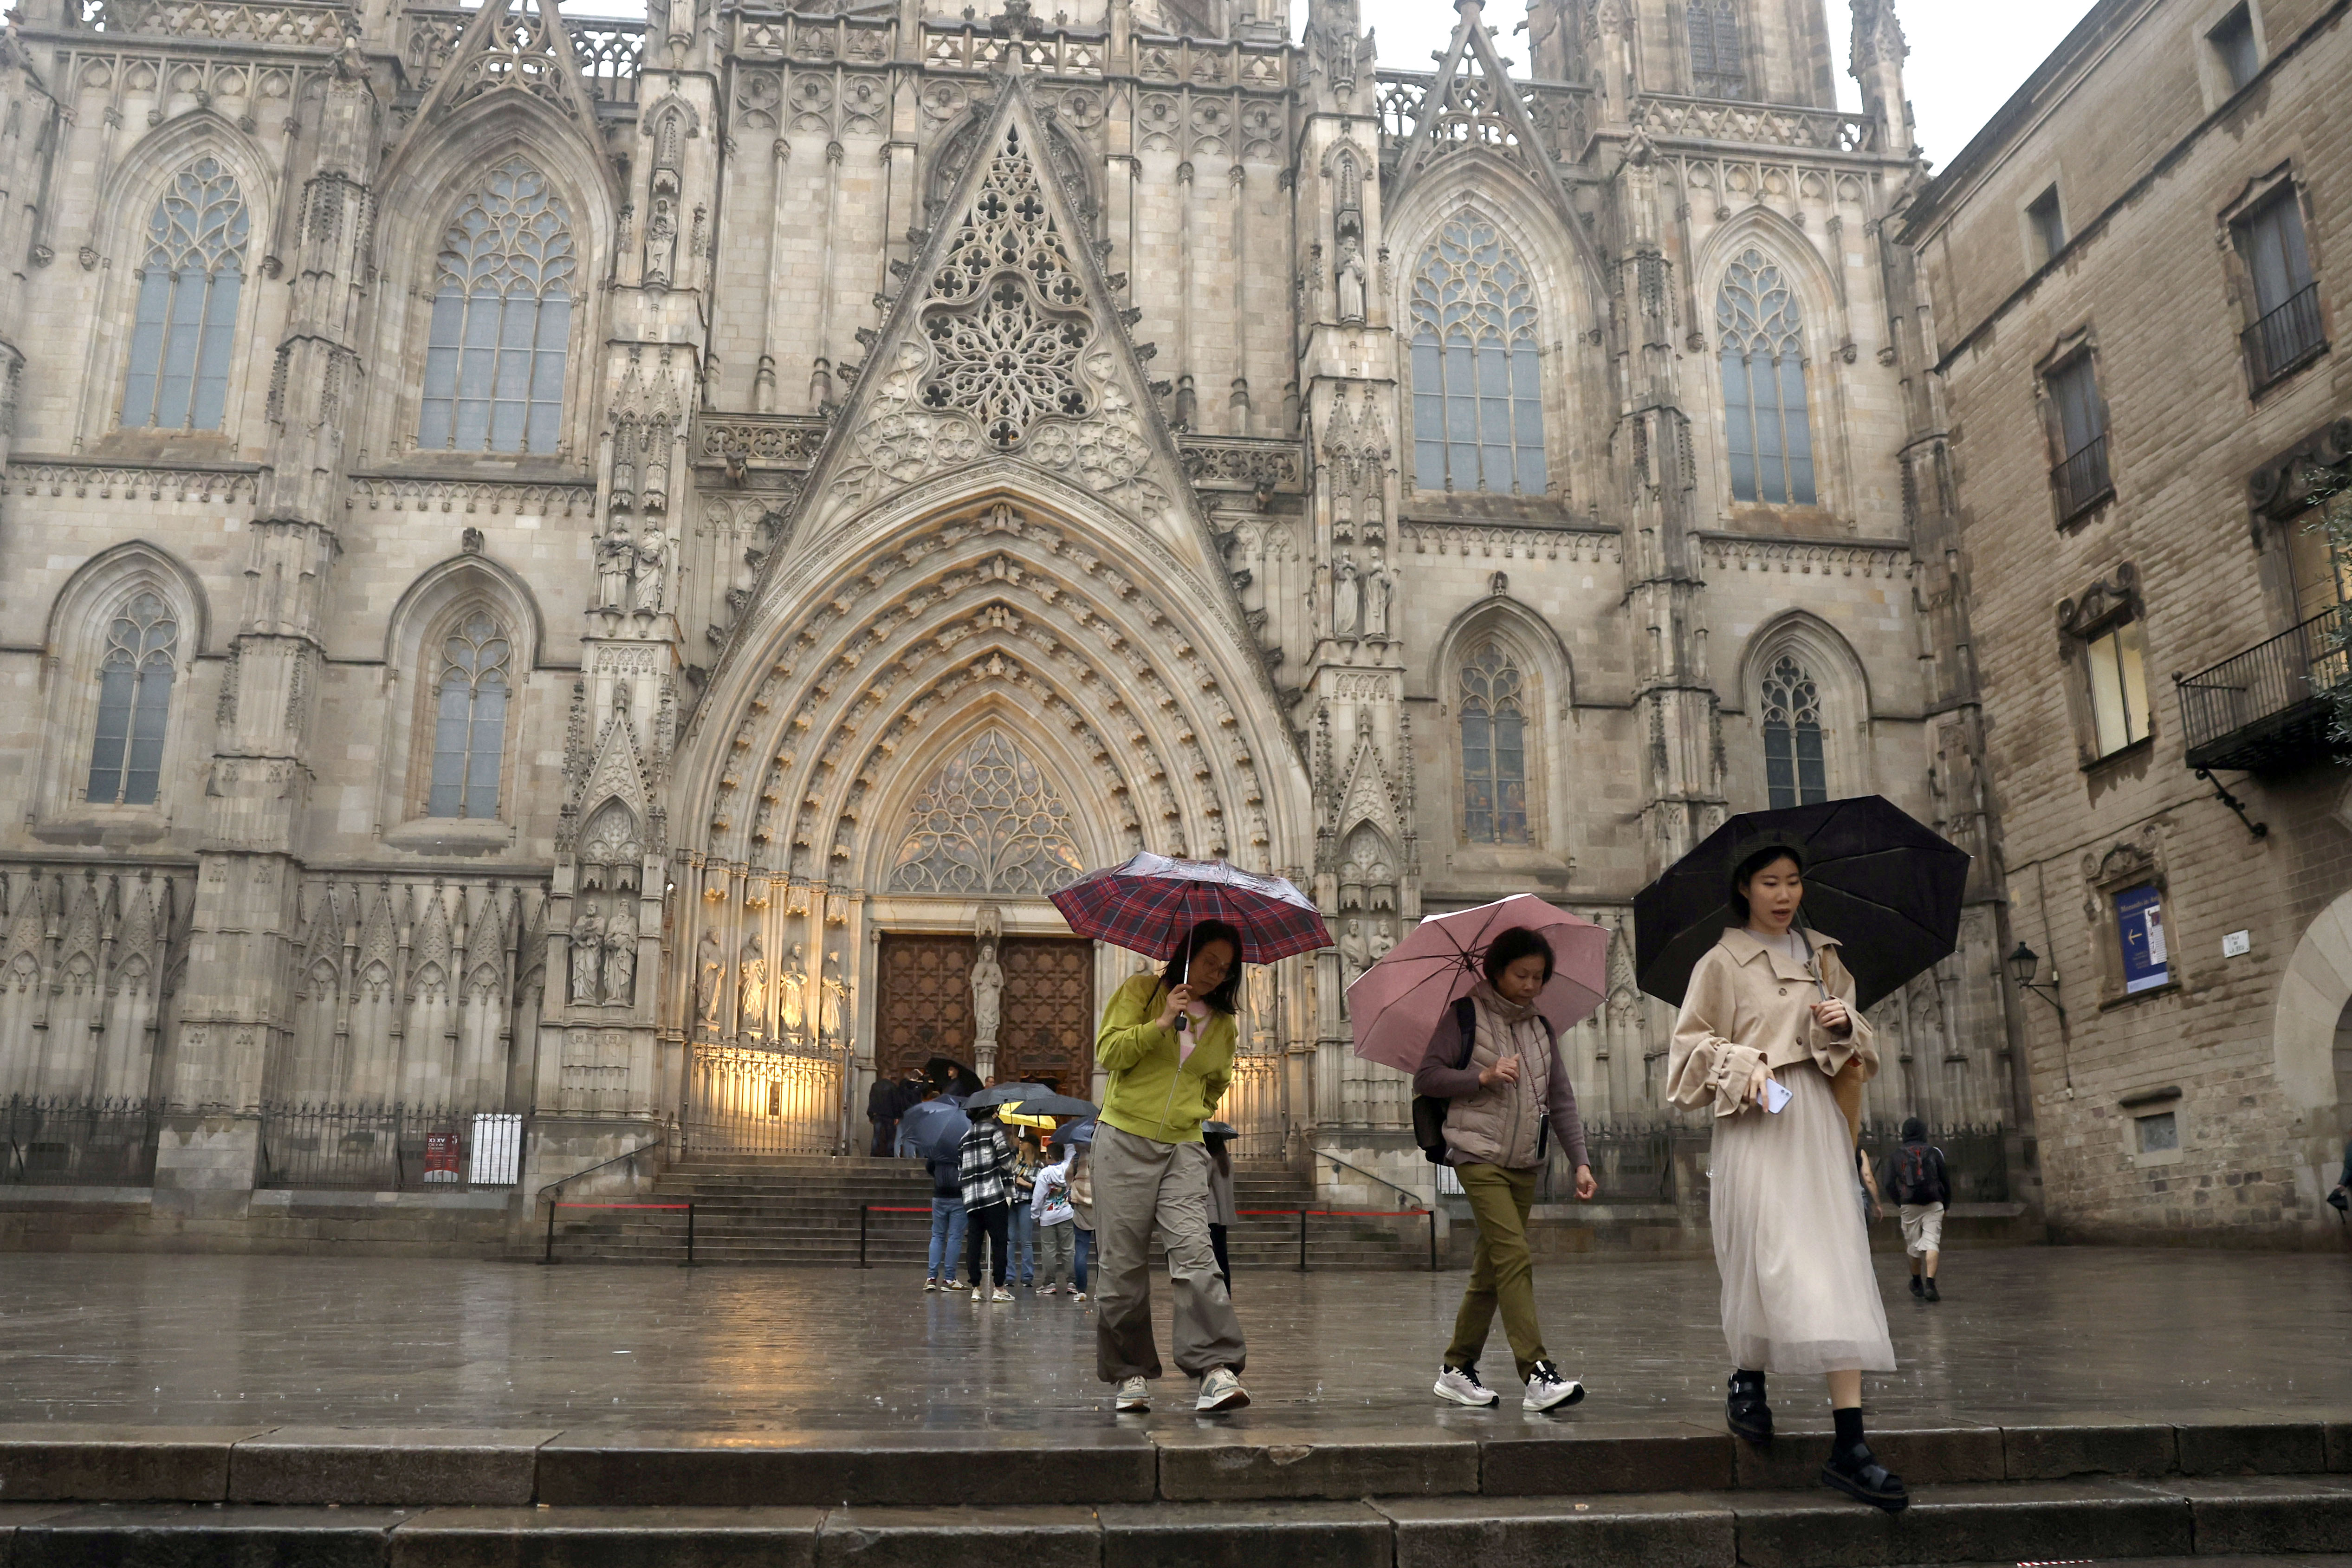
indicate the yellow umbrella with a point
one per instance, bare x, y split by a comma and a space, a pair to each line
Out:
1012, 1115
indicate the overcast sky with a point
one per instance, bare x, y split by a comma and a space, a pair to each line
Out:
1967, 56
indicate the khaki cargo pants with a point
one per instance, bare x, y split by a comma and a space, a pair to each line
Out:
1142, 1185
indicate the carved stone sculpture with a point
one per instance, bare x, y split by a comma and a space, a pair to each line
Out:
754, 1005
621, 958
653, 568
1347, 601
987, 999
709, 977
1350, 280
837, 996
587, 958
791, 994
1378, 586
615, 555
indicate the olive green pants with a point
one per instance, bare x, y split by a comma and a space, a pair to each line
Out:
1503, 1273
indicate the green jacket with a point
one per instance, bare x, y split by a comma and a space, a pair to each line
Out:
1151, 1095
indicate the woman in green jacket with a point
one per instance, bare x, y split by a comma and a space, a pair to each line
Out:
1166, 1041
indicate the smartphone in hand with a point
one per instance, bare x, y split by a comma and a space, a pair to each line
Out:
1776, 1096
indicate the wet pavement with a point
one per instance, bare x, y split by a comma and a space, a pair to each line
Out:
205, 1341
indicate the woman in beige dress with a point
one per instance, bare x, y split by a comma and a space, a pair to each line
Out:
1766, 1026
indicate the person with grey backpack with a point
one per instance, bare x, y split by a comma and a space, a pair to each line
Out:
1916, 1180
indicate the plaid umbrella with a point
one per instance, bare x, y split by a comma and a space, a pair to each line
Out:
1149, 904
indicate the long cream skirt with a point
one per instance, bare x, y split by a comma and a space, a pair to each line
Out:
1798, 1292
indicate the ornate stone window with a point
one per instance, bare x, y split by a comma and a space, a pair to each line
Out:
2103, 637
1477, 387
1762, 331
134, 703
189, 280
989, 821
1494, 748
1795, 772
1719, 64
502, 319
469, 723
1007, 321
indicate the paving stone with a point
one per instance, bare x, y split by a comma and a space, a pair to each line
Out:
1208, 1462
2033, 1520
1923, 1454
822, 1468
1662, 1531
13, 1514
2337, 1436
205, 1535
2090, 1445
2250, 1444
2268, 1513
1587, 1457
80, 1462
1247, 1535
608, 1538
406, 1467
1036, 1537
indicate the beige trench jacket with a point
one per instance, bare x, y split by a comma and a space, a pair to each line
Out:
1747, 1005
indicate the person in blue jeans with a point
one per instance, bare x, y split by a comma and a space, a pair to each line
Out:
946, 1226
1028, 1159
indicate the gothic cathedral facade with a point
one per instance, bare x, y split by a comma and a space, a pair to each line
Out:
605, 569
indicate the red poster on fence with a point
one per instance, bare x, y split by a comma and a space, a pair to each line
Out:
442, 1152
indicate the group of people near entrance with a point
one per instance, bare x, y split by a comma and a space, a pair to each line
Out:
1768, 1039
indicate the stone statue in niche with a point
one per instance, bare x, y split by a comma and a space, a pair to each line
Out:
987, 999
587, 957
836, 997
1350, 279
653, 570
1347, 601
1354, 955
621, 958
791, 994
616, 554
709, 977
1378, 586
753, 1009
1382, 941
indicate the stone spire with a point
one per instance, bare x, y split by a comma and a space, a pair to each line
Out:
1879, 50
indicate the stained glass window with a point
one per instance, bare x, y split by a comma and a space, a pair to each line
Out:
134, 699
1494, 749
188, 285
1794, 772
1763, 332
502, 319
470, 724
989, 821
1718, 65
1477, 402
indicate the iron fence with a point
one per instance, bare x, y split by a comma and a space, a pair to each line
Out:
388, 1148
79, 1143
1632, 1161
2266, 705
2081, 480
2286, 337
1975, 1158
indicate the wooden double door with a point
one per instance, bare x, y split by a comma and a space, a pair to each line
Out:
1045, 1028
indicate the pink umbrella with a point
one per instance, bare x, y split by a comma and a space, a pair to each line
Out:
1397, 1005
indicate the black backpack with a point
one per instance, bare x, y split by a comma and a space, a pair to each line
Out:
1912, 1182
1428, 1109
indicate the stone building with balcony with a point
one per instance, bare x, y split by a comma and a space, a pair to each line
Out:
598, 573
2136, 274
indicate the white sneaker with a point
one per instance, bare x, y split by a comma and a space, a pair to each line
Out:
1000, 1294
1049, 1289
1221, 1390
1547, 1390
1078, 1295
1461, 1385
930, 1284
1134, 1396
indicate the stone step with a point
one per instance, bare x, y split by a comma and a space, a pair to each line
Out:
2215, 1520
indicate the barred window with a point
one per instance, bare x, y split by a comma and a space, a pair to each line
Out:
1494, 749
470, 719
1477, 391
1763, 348
502, 319
1794, 771
2081, 477
134, 699
1718, 65
189, 281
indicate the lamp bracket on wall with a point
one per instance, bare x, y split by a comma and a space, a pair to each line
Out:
2259, 829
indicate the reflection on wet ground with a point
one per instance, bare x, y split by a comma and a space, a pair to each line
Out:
422, 1343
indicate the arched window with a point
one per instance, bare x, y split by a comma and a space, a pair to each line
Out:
469, 723
1763, 351
502, 319
134, 698
1478, 396
1794, 772
1718, 65
188, 286
1494, 749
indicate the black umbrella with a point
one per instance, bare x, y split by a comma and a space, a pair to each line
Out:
1051, 1104
952, 1076
1886, 886
1006, 1094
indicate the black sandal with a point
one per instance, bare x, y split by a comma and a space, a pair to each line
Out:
1859, 1475
1745, 1410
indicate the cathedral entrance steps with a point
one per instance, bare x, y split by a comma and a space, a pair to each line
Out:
1259, 1488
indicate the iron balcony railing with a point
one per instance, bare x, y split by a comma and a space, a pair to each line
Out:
2081, 480
2286, 338
2268, 707
78, 1143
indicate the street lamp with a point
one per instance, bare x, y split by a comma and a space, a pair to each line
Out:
2021, 963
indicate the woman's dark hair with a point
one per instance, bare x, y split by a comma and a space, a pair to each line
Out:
1754, 862
1226, 997
1513, 945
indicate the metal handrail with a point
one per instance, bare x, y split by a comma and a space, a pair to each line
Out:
561, 1182
1406, 1193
